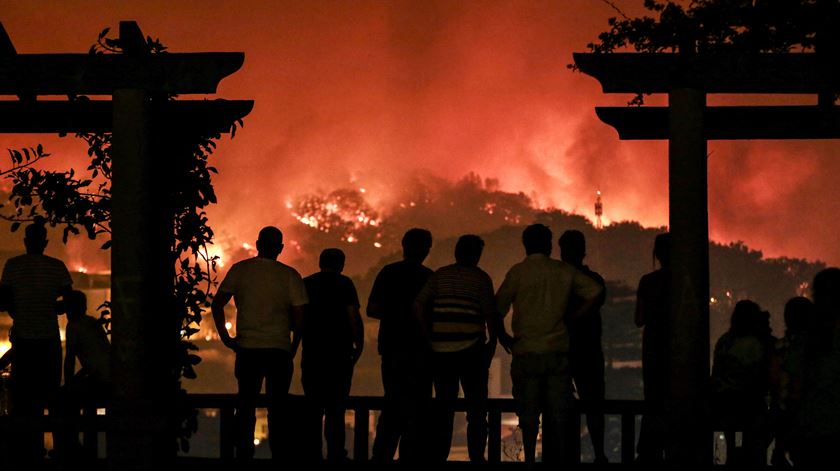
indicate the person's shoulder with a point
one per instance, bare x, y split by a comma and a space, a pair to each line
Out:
593, 274
280, 266
55, 262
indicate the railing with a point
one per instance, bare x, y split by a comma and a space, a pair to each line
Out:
90, 424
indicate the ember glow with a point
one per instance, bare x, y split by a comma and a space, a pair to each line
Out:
361, 97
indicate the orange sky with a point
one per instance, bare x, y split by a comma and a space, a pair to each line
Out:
373, 92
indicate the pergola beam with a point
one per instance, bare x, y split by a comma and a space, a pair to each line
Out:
101, 74
206, 116
805, 73
729, 122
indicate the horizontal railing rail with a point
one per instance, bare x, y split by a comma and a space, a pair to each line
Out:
90, 424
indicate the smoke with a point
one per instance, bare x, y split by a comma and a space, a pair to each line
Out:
367, 95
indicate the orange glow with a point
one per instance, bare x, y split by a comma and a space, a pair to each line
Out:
368, 94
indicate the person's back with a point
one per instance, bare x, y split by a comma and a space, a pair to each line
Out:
264, 291
586, 357
539, 289
87, 337
404, 367
333, 343
329, 332
458, 306
543, 287
821, 390
395, 289
652, 312
35, 282
270, 299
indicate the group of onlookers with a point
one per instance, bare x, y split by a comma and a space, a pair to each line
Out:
782, 391
30, 286
438, 333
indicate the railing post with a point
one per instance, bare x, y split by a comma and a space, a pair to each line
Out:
90, 436
226, 432
494, 437
628, 437
361, 430
574, 444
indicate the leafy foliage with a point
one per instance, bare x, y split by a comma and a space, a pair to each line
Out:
704, 26
81, 201
719, 25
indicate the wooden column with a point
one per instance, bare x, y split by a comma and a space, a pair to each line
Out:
689, 319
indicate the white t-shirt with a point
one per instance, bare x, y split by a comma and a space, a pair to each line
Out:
539, 289
264, 292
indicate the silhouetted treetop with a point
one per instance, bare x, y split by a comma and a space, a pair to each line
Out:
722, 25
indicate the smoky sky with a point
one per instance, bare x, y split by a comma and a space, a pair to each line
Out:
367, 94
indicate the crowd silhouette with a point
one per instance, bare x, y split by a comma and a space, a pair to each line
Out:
438, 333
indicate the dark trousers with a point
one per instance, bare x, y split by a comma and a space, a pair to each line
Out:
36, 377
326, 384
253, 365
587, 365
407, 386
469, 368
651, 445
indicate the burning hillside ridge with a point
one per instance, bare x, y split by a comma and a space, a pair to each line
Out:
621, 251
345, 218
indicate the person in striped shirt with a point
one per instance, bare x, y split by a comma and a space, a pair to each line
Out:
457, 309
36, 281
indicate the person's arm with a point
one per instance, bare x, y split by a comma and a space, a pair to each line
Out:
375, 308
7, 358
220, 300
69, 364
504, 300
488, 306
70, 356
588, 290
419, 309
357, 327
639, 316
297, 327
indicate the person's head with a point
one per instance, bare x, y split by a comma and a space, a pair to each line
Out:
745, 317
416, 244
76, 304
468, 250
798, 312
35, 237
332, 260
270, 242
826, 290
662, 249
572, 247
537, 239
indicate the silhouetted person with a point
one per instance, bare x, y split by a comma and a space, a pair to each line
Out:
36, 282
652, 308
457, 310
586, 356
539, 288
739, 384
333, 343
821, 392
405, 377
270, 298
87, 342
786, 376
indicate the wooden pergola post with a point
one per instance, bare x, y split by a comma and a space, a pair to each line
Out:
145, 330
689, 320
687, 123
